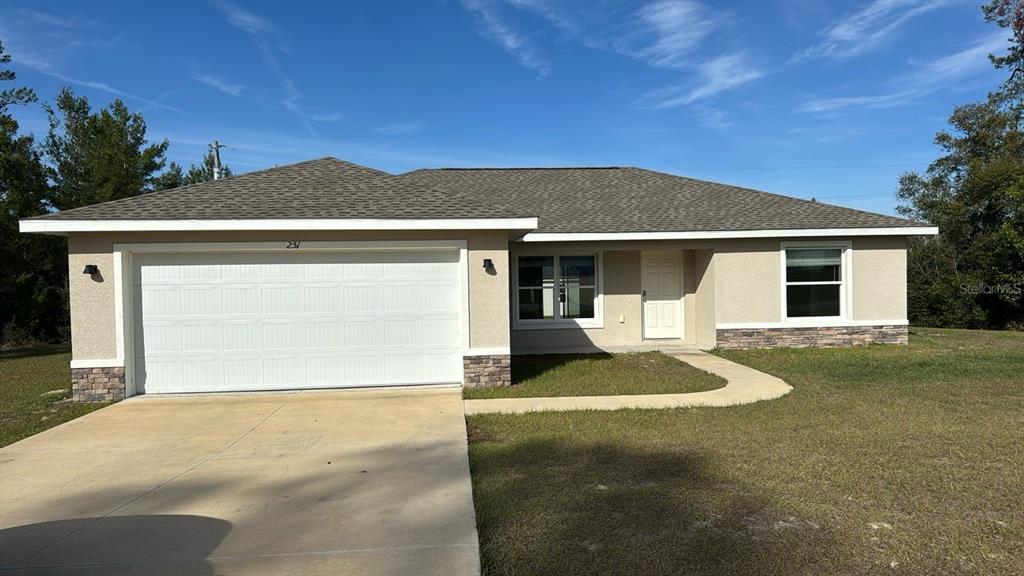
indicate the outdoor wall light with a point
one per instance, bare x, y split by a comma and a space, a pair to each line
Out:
488, 264
91, 269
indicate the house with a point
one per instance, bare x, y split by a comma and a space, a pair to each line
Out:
329, 274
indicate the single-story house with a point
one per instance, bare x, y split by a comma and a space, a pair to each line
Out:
329, 274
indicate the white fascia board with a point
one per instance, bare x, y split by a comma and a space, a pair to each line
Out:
65, 226
725, 234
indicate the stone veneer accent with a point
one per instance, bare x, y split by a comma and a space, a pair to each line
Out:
811, 337
486, 371
97, 384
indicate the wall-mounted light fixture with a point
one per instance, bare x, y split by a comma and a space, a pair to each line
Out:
91, 269
488, 264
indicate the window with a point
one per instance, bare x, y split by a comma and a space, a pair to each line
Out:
557, 289
814, 282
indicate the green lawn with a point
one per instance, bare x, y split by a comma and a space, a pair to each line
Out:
883, 460
599, 375
25, 375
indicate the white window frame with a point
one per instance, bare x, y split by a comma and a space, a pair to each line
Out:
558, 323
845, 283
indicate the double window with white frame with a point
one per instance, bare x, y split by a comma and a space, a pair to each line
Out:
557, 290
815, 280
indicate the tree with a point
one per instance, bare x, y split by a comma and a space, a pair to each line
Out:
15, 95
1009, 14
204, 171
97, 157
33, 284
174, 177
972, 275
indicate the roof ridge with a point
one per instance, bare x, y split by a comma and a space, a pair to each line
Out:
214, 183
511, 168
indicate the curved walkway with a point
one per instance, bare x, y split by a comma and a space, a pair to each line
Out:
744, 385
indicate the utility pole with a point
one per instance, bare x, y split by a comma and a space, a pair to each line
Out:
215, 148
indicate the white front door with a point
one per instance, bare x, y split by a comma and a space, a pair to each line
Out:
662, 286
269, 321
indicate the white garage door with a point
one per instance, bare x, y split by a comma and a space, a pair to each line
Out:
271, 321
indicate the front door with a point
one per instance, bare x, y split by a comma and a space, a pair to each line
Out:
662, 286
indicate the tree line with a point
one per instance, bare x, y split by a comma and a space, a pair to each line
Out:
87, 156
970, 276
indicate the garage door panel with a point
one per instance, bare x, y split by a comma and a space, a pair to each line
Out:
199, 338
160, 301
363, 333
363, 369
199, 374
242, 336
198, 301
364, 298
284, 300
324, 335
251, 321
240, 300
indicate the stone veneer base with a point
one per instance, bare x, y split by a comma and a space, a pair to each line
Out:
827, 336
97, 384
486, 371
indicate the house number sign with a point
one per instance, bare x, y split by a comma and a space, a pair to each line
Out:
292, 245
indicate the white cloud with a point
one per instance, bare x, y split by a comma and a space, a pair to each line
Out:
492, 26
667, 32
866, 28
926, 79
54, 21
714, 118
103, 87
713, 77
401, 129
877, 101
267, 39
219, 84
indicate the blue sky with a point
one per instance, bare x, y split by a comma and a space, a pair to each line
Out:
831, 100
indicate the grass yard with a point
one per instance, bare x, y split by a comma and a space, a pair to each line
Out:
25, 376
599, 375
883, 460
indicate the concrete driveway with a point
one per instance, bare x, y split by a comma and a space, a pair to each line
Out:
347, 482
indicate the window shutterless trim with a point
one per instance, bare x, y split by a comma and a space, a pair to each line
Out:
557, 323
845, 283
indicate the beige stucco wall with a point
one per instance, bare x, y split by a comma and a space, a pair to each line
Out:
621, 270
93, 333
747, 281
725, 281
880, 278
92, 303
623, 314
704, 305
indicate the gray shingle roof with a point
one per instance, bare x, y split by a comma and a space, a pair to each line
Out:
326, 188
582, 200
566, 200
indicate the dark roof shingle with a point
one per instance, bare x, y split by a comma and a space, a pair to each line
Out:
326, 188
565, 200
591, 200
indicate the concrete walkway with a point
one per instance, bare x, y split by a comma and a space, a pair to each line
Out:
340, 482
744, 386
